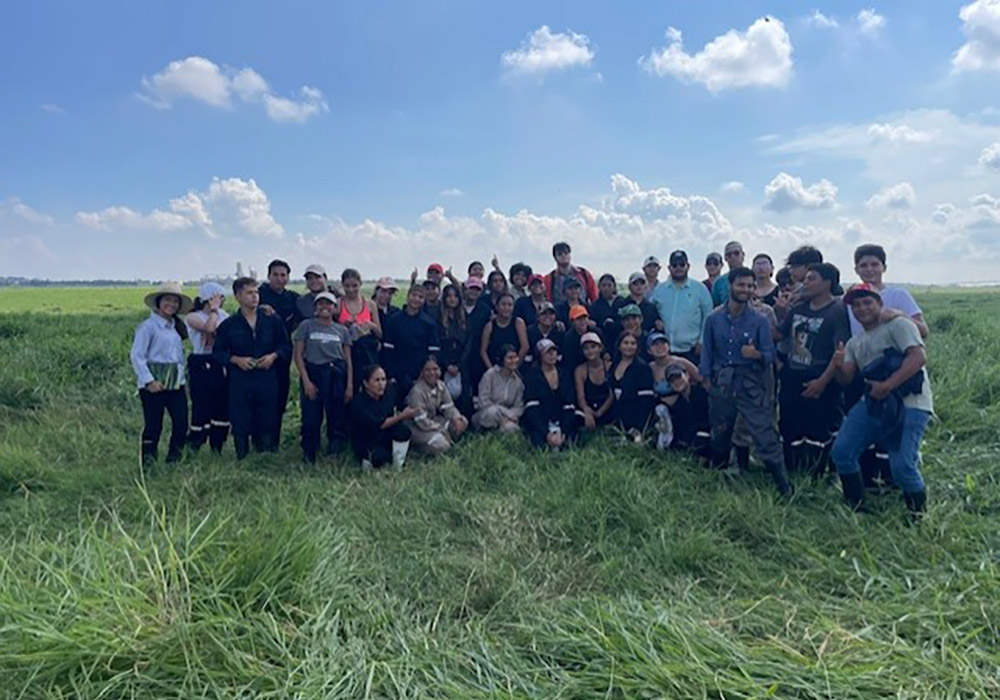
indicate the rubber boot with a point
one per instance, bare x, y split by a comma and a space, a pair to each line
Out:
780, 476
854, 491
399, 450
916, 504
791, 456
743, 458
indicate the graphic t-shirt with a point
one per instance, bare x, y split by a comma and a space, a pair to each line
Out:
324, 343
813, 335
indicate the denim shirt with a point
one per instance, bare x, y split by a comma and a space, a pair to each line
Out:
725, 336
156, 340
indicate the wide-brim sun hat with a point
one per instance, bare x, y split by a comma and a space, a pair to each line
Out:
187, 303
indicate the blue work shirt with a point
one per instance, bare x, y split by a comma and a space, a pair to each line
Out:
725, 335
720, 290
156, 341
683, 310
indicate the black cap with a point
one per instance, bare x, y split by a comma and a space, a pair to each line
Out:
714, 257
678, 257
674, 370
573, 281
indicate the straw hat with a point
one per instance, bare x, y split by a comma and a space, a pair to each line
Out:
170, 288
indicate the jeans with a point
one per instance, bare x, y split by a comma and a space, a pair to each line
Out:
173, 402
331, 383
859, 431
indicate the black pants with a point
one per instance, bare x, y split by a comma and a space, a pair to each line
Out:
808, 426
281, 367
380, 453
253, 410
331, 384
209, 403
173, 402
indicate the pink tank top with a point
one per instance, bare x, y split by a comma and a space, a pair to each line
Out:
346, 317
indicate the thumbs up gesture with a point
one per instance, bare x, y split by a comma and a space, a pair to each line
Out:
749, 351
839, 355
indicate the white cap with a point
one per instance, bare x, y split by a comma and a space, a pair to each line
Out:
315, 270
325, 295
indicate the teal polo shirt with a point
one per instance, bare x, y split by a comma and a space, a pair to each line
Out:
683, 310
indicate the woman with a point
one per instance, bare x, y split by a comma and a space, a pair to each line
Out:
364, 324
544, 327
549, 417
207, 379
593, 391
660, 360
632, 386
528, 306
158, 360
496, 286
688, 406
456, 344
501, 395
766, 289
604, 311
378, 433
437, 424
505, 329
476, 269
385, 289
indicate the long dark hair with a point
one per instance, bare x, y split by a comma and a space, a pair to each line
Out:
446, 314
179, 325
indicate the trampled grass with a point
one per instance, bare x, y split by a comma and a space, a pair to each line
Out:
492, 572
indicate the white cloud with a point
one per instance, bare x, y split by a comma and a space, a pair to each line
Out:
899, 196
451, 192
818, 19
989, 159
870, 22
231, 206
786, 192
200, 79
981, 26
26, 213
899, 133
543, 51
733, 187
761, 56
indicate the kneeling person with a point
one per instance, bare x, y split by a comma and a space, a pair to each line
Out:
438, 424
378, 431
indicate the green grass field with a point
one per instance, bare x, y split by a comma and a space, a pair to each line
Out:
494, 572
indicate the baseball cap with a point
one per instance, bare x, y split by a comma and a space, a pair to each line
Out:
714, 257
546, 306
636, 277
861, 290
591, 338
733, 246
430, 283
656, 337
315, 270
435, 267
678, 257
536, 278
325, 295
386, 283
209, 289
544, 345
474, 283
651, 260
674, 370
629, 310
573, 281
578, 311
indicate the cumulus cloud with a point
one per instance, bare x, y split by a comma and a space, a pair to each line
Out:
899, 133
786, 192
732, 187
451, 192
198, 78
897, 197
989, 159
761, 56
981, 26
870, 22
232, 206
818, 19
543, 51
26, 213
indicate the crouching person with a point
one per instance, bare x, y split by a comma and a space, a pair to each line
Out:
437, 424
549, 410
897, 403
501, 395
378, 431
323, 358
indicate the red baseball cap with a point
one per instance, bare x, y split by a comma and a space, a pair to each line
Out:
536, 278
861, 290
435, 267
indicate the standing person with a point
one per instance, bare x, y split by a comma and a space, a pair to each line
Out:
630, 317
527, 306
496, 284
501, 395
549, 417
713, 268
385, 289
684, 306
359, 317
276, 299
432, 298
503, 330
479, 313
637, 295
604, 311
573, 292
555, 281
410, 337
735, 256
763, 269
736, 358
158, 360
651, 273
456, 344
797, 263
326, 373
378, 431
869, 264
544, 328
438, 424
632, 385
316, 282
435, 273
207, 379
572, 354
897, 406
520, 273
594, 399
249, 345
809, 399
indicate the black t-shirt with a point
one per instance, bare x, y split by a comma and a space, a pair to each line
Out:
284, 305
366, 418
689, 416
813, 335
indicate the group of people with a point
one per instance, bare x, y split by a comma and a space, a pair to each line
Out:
782, 362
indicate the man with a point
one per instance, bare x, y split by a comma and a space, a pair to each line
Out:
736, 358
432, 299
408, 338
797, 264
809, 400
527, 307
555, 281
543, 328
683, 306
250, 344
315, 283
869, 263
651, 270
276, 298
637, 287
713, 268
897, 406
573, 297
734, 258
604, 311
435, 273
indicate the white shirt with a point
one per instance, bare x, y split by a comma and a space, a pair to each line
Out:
199, 346
892, 298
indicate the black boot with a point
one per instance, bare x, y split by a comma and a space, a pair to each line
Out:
743, 458
916, 504
780, 476
854, 491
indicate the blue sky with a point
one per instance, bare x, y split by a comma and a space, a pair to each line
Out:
169, 140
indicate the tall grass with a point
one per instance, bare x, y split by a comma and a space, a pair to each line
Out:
495, 571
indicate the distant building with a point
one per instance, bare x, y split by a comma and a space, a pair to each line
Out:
239, 269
